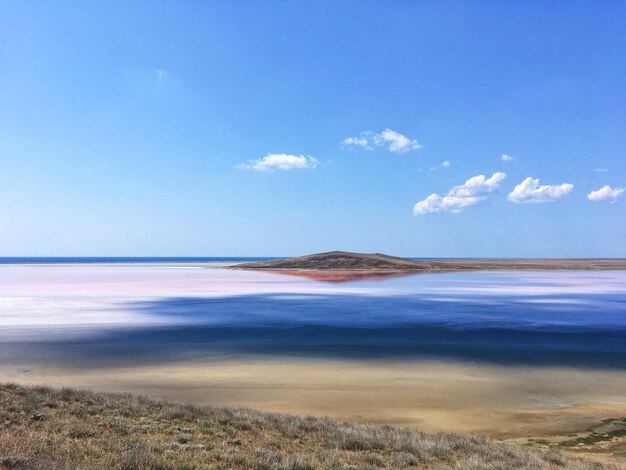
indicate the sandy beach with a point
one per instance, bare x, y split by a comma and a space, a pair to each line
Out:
500, 402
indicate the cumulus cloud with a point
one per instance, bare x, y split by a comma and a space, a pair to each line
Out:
606, 194
445, 163
478, 186
506, 158
393, 140
471, 193
530, 190
279, 161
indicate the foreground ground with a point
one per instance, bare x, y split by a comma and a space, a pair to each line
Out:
55, 429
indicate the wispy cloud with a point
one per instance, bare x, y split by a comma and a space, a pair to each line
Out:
392, 140
361, 141
471, 193
606, 194
600, 170
530, 190
396, 141
279, 161
506, 158
445, 163
160, 74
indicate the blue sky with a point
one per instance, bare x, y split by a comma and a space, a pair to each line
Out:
144, 128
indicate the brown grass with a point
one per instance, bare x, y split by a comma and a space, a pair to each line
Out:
42, 428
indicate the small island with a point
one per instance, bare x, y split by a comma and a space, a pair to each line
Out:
343, 265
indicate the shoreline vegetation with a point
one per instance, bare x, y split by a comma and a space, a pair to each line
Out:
49, 428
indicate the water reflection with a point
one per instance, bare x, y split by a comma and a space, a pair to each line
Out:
343, 276
575, 319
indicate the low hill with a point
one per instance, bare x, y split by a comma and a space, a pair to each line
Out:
335, 260
346, 261
41, 428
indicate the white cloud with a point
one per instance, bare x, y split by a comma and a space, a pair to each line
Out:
397, 142
361, 141
606, 194
600, 170
160, 74
394, 141
530, 190
478, 186
506, 158
445, 164
473, 192
435, 204
279, 161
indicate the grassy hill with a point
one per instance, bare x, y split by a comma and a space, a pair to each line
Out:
41, 428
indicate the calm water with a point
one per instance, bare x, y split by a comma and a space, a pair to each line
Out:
122, 259
130, 312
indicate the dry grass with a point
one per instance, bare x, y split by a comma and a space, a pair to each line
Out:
42, 428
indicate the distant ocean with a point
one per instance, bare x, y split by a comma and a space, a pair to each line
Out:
142, 259
131, 259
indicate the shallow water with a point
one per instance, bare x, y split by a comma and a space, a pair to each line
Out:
146, 313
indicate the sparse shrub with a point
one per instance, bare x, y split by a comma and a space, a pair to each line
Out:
327, 457
373, 460
555, 457
404, 459
242, 460
118, 426
14, 462
176, 412
78, 409
277, 460
66, 394
139, 455
80, 432
289, 427
186, 466
37, 416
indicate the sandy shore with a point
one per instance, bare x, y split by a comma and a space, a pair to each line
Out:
501, 402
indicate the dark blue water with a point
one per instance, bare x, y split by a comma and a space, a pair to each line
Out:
538, 319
